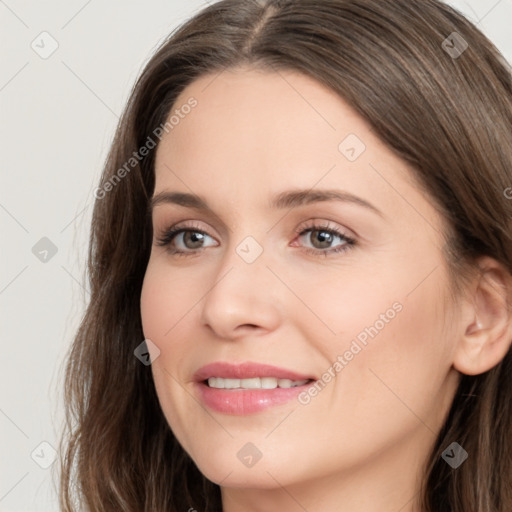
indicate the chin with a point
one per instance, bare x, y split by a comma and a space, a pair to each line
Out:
232, 473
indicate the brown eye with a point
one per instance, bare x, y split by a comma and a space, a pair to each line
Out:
183, 240
321, 239
192, 239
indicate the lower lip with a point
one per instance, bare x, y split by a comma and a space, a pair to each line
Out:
246, 401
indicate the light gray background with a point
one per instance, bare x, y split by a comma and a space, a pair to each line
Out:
58, 117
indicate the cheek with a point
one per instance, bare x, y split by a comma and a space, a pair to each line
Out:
150, 298
399, 373
163, 305
345, 306
166, 298
167, 305
395, 353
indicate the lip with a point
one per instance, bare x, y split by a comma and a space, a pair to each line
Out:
246, 401
247, 370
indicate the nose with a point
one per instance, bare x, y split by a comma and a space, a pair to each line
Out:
242, 298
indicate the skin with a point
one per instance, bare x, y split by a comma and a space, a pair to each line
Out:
361, 443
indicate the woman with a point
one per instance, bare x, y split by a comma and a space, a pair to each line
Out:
300, 268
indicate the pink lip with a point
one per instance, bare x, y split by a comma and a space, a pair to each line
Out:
246, 370
241, 402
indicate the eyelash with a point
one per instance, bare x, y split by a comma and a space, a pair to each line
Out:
169, 234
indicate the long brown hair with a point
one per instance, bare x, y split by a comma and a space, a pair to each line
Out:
448, 115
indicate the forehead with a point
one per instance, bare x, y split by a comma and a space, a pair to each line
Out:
254, 133
284, 113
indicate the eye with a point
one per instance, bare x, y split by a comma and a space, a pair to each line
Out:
183, 240
190, 240
322, 236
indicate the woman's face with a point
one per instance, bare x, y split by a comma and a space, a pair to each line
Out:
266, 276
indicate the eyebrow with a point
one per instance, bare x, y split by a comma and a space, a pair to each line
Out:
288, 199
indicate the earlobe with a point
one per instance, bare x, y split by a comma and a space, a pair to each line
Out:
487, 337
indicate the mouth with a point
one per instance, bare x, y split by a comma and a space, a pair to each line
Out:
254, 383
248, 371
247, 388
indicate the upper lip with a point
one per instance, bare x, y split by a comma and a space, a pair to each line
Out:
247, 370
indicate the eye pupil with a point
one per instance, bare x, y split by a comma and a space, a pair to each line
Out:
323, 237
196, 238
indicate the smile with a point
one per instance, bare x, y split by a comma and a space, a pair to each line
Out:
248, 387
254, 383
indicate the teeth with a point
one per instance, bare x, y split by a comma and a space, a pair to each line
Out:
268, 383
255, 383
229, 383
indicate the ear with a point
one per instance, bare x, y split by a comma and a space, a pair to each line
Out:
486, 334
